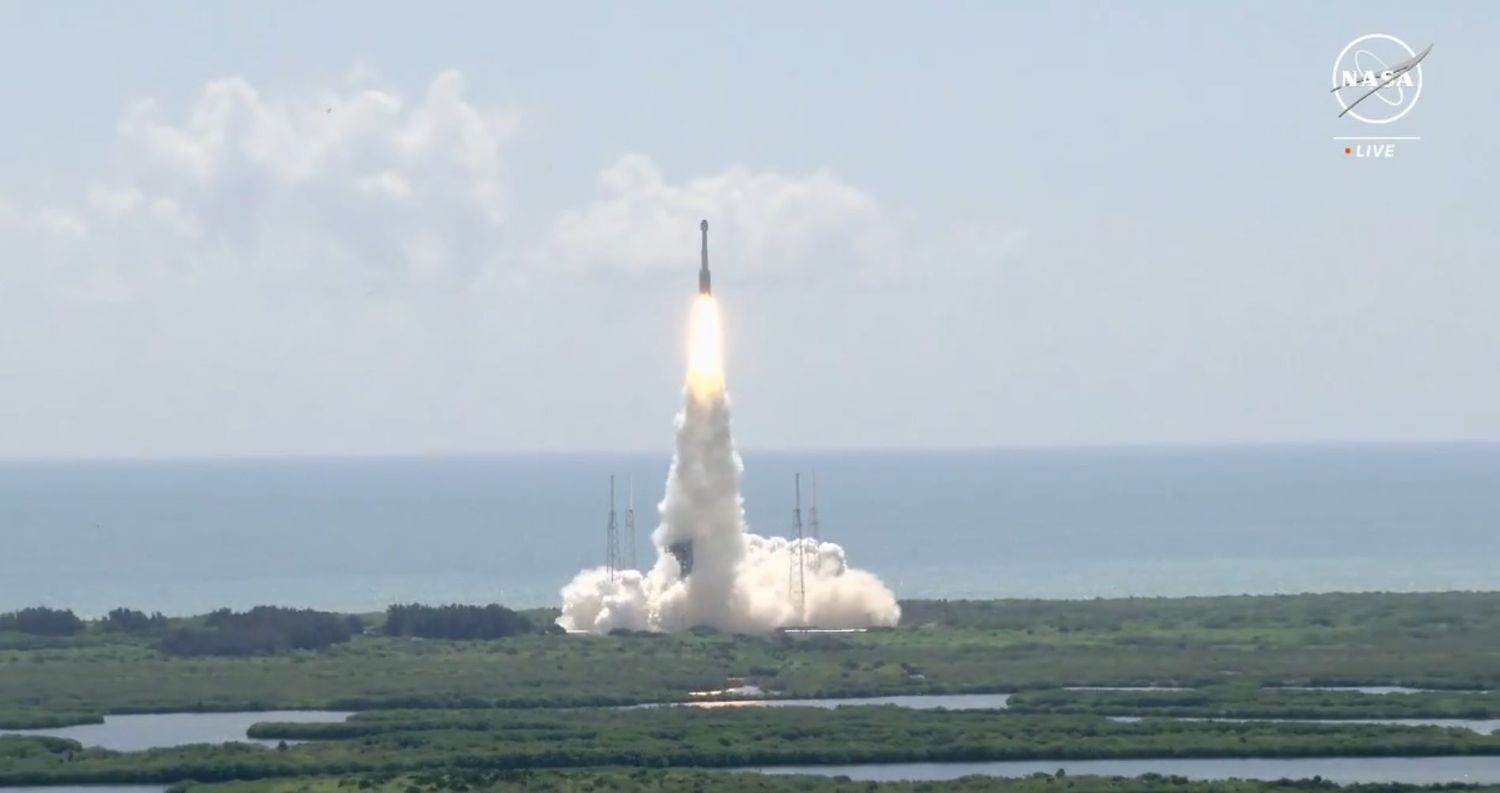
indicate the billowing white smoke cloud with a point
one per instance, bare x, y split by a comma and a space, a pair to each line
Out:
739, 581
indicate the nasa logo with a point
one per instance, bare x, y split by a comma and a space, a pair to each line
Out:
1382, 69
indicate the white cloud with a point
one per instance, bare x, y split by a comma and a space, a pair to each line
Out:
113, 202
387, 184
775, 227
45, 221
326, 188
359, 189
270, 271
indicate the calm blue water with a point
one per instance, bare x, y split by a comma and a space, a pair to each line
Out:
186, 537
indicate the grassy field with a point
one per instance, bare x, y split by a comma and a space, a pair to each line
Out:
1449, 640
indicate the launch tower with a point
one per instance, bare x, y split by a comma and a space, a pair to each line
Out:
798, 572
612, 535
630, 523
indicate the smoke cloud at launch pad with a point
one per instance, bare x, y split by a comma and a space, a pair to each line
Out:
737, 581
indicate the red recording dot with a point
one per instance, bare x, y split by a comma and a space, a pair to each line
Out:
1348, 150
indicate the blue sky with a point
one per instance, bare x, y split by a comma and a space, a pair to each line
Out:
961, 224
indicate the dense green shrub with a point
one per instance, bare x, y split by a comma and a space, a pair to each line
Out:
42, 621
123, 620
262, 630
455, 622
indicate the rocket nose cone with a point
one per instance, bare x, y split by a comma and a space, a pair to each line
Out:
703, 225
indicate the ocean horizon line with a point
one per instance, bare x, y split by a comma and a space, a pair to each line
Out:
830, 451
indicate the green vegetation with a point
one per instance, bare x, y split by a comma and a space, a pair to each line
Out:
263, 630
455, 622
441, 709
42, 621
1242, 702
861, 727
38, 719
689, 781
1444, 640
123, 620
715, 737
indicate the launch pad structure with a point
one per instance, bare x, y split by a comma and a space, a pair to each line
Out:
683, 552
615, 560
630, 522
611, 536
812, 510
798, 575
798, 550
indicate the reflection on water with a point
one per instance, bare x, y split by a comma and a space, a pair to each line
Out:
1345, 770
917, 701
156, 730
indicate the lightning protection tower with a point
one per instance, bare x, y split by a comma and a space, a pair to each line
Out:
812, 521
612, 536
630, 523
798, 572
812, 509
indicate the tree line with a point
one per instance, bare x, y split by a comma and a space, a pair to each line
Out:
263, 630
455, 622
271, 629
42, 621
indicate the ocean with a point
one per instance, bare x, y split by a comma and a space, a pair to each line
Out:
357, 534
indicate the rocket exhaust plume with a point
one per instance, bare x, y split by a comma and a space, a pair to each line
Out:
709, 569
705, 377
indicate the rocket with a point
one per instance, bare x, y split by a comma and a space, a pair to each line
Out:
703, 278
